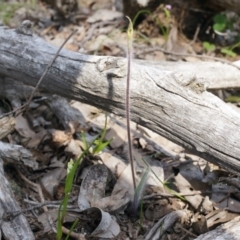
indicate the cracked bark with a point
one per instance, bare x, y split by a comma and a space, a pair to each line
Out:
174, 104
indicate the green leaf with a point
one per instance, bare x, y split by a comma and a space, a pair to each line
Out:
72, 228
138, 14
219, 27
103, 134
220, 22
220, 18
139, 190
167, 12
84, 141
100, 146
68, 187
228, 52
208, 46
237, 45
164, 183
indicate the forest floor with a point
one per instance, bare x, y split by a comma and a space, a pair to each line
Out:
188, 197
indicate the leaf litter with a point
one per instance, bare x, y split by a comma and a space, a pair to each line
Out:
188, 197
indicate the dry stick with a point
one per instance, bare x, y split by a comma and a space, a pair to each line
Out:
195, 35
12, 215
130, 36
52, 204
47, 69
187, 231
188, 55
168, 195
34, 185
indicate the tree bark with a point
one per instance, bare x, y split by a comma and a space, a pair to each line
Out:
174, 104
18, 227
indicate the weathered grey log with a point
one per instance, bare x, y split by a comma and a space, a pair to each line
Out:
226, 231
174, 105
216, 74
18, 227
17, 155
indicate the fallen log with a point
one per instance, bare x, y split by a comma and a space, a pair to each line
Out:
225, 231
174, 104
18, 227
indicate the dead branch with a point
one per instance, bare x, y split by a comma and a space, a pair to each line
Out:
18, 227
173, 103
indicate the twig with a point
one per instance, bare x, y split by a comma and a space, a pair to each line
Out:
42, 200
166, 195
187, 231
48, 203
47, 69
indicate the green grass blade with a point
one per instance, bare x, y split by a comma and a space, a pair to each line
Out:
71, 229
139, 191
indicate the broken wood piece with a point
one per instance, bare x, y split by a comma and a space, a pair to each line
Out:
226, 231
18, 227
17, 155
175, 105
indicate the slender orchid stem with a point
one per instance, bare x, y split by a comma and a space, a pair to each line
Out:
129, 58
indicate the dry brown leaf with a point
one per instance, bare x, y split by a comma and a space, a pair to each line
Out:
114, 163
118, 134
51, 180
32, 139
60, 138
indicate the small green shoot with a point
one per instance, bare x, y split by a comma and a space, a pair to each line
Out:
138, 14
224, 50
165, 183
168, 17
86, 146
227, 51
68, 187
71, 170
236, 45
139, 191
209, 47
164, 29
71, 229
99, 143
